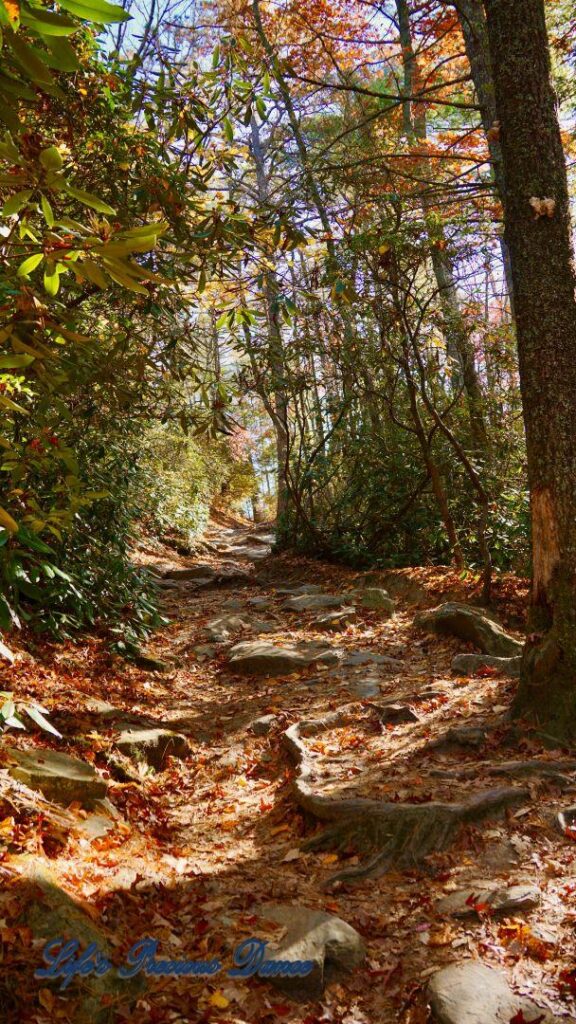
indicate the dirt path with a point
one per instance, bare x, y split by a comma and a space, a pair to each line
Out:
204, 844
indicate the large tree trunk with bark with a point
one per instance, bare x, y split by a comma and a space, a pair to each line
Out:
539, 240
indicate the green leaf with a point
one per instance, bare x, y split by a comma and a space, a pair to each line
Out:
16, 202
51, 279
46, 23
89, 200
12, 361
51, 159
8, 709
30, 57
30, 264
37, 716
96, 10
62, 57
47, 211
228, 129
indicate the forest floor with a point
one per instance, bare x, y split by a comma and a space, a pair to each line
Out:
194, 852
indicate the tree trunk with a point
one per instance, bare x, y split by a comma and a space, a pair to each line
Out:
275, 346
474, 30
538, 237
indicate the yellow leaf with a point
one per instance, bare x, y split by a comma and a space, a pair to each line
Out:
7, 522
217, 999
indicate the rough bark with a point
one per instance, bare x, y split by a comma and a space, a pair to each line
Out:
539, 239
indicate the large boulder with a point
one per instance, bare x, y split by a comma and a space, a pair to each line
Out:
468, 664
468, 623
60, 778
152, 746
471, 993
262, 658
333, 947
51, 913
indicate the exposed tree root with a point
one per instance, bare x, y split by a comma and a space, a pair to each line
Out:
552, 769
390, 835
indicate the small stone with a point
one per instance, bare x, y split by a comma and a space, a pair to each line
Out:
333, 947
310, 602
260, 602
304, 588
60, 778
469, 664
148, 661
470, 624
219, 630
397, 714
262, 726
335, 622
357, 658
152, 746
365, 688
375, 599
500, 902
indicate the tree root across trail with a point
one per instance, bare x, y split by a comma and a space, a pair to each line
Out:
389, 835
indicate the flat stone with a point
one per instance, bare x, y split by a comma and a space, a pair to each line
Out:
358, 658
303, 588
152, 746
191, 572
397, 714
471, 993
260, 602
375, 599
219, 630
468, 664
310, 602
233, 603
262, 726
498, 902
262, 658
468, 623
153, 664
335, 622
51, 914
365, 688
60, 778
332, 946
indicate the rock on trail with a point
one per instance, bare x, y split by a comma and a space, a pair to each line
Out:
468, 623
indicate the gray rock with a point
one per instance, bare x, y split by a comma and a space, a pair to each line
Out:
471, 624
51, 914
219, 630
262, 726
471, 993
191, 572
335, 622
365, 688
152, 746
500, 902
60, 778
333, 947
304, 588
260, 602
233, 603
375, 599
262, 658
148, 661
358, 658
395, 713
310, 602
468, 664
